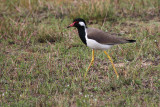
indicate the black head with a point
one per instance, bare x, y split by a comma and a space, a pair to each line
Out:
79, 22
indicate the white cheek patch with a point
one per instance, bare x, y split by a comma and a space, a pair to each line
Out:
82, 24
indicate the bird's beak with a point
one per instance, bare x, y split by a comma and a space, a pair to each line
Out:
71, 25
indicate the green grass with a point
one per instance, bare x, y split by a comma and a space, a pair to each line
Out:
42, 63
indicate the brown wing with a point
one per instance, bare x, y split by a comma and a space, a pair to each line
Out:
104, 37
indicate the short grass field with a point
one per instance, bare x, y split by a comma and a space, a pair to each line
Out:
42, 63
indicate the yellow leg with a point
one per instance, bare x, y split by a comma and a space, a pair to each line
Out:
112, 63
90, 63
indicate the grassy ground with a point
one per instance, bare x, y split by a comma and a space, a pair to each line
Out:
42, 63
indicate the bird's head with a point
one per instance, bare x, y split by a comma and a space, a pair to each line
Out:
78, 23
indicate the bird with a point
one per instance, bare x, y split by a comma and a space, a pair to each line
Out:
97, 39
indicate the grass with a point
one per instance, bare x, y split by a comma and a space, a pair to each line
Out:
42, 63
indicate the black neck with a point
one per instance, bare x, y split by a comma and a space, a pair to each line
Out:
82, 33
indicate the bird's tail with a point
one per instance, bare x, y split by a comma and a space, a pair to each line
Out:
131, 41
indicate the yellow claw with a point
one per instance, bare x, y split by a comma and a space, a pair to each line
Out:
112, 64
93, 61
90, 63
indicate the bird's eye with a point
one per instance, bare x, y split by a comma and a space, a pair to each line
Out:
76, 22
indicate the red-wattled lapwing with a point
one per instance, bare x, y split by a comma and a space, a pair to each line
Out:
97, 39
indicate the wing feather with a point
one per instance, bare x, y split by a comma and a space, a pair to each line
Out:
104, 37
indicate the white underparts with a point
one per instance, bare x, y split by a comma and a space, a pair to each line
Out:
94, 44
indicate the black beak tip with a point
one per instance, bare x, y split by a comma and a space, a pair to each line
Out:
68, 26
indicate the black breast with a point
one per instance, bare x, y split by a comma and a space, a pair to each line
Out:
81, 31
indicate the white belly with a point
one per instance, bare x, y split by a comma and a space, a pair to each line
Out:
95, 45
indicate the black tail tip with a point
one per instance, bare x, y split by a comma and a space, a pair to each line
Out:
131, 41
